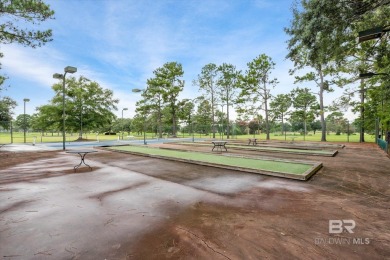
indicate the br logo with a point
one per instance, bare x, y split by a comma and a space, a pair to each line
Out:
336, 226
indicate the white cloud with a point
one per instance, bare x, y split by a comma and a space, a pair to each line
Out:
119, 43
35, 66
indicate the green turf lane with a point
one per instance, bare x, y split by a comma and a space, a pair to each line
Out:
257, 164
268, 148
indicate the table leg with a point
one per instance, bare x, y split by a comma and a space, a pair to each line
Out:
82, 156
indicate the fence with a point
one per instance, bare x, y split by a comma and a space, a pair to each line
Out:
383, 144
277, 132
295, 131
5, 132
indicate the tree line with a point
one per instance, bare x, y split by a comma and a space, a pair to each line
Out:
322, 44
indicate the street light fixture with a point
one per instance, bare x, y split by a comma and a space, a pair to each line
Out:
24, 115
371, 74
122, 119
137, 90
371, 34
67, 69
123, 110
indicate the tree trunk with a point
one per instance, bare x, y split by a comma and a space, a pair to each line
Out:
212, 114
227, 123
159, 122
362, 111
173, 122
322, 110
159, 127
266, 112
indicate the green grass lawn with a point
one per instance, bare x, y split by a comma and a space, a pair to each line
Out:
18, 137
332, 137
256, 164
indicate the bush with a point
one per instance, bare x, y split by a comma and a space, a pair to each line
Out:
107, 133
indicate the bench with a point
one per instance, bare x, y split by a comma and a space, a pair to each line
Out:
219, 145
253, 141
130, 137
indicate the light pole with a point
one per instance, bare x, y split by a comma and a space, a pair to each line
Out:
122, 119
81, 123
123, 110
222, 105
366, 35
67, 69
24, 119
137, 90
363, 76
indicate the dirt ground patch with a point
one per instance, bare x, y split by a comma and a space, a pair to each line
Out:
134, 207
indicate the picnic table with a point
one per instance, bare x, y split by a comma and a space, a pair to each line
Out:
253, 141
82, 154
219, 145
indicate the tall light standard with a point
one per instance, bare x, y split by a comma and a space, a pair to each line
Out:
367, 35
123, 110
366, 75
68, 69
122, 119
24, 119
222, 105
137, 90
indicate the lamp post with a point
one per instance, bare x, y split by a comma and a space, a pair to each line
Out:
24, 119
222, 105
363, 76
367, 35
137, 90
123, 110
81, 123
67, 69
122, 119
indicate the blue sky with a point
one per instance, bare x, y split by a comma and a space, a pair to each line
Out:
118, 43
